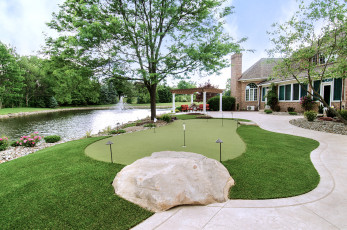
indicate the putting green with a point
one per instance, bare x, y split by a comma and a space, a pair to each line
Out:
201, 136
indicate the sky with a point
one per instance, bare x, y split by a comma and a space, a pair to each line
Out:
23, 25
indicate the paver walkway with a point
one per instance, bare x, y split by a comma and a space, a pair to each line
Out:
323, 208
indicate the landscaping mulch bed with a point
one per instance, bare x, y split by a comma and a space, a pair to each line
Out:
321, 125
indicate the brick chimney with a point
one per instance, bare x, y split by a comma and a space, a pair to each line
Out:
236, 72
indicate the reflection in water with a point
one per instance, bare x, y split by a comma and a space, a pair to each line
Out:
70, 124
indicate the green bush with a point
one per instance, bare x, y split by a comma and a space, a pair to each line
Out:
52, 102
14, 143
268, 111
119, 131
228, 103
129, 100
321, 109
179, 108
272, 98
277, 108
343, 113
330, 113
293, 113
307, 103
310, 115
150, 125
166, 117
52, 139
290, 109
3, 143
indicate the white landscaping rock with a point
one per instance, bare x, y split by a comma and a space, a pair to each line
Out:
168, 179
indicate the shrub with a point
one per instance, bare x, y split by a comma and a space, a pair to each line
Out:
29, 141
293, 113
166, 117
179, 108
307, 103
203, 117
129, 100
52, 138
14, 143
268, 111
272, 98
119, 131
343, 113
330, 113
277, 108
52, 102
290, 109
3, 143
310, 115
129, 125
150, 125
321, 109
228, 103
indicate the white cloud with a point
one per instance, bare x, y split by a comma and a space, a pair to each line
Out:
23, 22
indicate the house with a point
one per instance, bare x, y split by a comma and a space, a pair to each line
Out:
250, 87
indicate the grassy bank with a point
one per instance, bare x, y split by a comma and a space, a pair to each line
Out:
61, 188
30, 109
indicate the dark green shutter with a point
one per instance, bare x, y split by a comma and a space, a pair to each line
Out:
296, 92
263, 94
281, 97
337, 89
288, 92
316, 86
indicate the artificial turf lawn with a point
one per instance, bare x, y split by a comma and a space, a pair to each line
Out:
273, 166
61, 188
201, 136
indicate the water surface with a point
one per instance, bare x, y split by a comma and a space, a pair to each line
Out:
70, 124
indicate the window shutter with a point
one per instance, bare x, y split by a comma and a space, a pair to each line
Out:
281, 97
337, 89
316, 86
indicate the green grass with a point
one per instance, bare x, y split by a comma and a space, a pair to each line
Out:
61, 188
201, 135
30, 109
273, 166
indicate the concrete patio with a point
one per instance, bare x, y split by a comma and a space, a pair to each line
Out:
323, 208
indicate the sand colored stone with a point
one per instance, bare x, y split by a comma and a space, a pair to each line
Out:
168, 179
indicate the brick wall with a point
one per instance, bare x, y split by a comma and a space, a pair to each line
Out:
243, 102
236, 72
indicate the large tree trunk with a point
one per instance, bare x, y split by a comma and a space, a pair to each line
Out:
152, 93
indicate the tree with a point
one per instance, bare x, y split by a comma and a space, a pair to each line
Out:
313, 44
144, 40
164, 94
200, 96
182, 84
11, 79
33, 73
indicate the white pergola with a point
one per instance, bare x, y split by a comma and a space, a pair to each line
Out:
196, 90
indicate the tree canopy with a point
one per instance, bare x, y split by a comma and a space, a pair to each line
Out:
313, 44
146, 40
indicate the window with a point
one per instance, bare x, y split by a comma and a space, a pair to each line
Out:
251, 92
281, 96
296, 89
263, 93
337, 89
303, 91
318, 59
285, 92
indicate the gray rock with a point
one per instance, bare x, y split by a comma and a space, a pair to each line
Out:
168, 179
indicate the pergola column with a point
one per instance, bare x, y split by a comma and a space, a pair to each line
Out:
204, 101
220, 102
173, 103
191, 98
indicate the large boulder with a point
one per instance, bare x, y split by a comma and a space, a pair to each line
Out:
167, 179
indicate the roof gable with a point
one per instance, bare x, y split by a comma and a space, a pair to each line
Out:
262, 69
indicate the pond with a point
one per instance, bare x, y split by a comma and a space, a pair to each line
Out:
71, 124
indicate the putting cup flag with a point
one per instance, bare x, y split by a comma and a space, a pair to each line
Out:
184, 126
